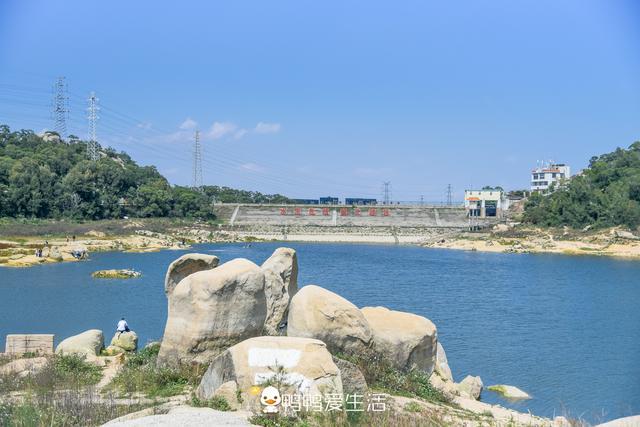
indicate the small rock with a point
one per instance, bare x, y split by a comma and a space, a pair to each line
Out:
470, 387
353, 381
509, 391
116, 274
127, 341
112, 350
442, 364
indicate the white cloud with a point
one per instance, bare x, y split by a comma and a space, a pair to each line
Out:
240, 133
263, 127
189, 124
220, 129
252, 167
144, 125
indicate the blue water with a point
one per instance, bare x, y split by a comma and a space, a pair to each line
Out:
565, 329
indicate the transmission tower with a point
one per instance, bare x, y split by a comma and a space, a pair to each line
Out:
92, 146
386, 192
60, 106
197, 162
449, 197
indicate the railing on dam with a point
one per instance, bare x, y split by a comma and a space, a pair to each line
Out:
346, 216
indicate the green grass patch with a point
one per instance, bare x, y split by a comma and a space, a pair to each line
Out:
141, 374
382, 375
219, 403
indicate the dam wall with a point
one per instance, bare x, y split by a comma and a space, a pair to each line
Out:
392, 216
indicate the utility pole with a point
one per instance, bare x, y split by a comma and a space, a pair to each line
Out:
386, 193
60, 106
449, 198
92, 146
421, 200
197, 162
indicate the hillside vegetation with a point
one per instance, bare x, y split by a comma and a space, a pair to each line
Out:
48, 178
606, 194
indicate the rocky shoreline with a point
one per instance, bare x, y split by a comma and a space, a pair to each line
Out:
22, 251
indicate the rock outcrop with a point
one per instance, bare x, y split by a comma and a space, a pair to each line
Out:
281, 284
211, 310
509, 391
89, 344
295, 365
470, 387
116, 274
317, 313
409, 341
186, 265
127, 341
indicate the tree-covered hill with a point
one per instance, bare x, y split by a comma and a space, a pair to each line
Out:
605, 194
43, 177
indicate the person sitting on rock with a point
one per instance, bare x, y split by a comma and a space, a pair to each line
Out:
122, 326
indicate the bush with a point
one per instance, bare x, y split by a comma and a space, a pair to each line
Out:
219, 403
141, 374
382, 375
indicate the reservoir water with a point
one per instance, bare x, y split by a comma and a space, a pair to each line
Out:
564, 329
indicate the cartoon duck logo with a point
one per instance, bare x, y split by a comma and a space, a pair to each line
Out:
270, 397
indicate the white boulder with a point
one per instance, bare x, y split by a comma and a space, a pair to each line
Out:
300, 366
211, 310
89, 344
409, 341
127, 341
185, 265
317, 313
442, 364
281, 284
470, 387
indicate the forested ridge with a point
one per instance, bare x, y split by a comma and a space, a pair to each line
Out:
605, 194
44, 177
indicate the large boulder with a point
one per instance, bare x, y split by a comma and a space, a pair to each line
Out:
211, 310
186, 265
128, 341
317, 313
281, 284
295, 366
442, 364
89, 344
24, 367
409, 341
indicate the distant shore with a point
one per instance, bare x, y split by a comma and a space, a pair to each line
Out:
58, 241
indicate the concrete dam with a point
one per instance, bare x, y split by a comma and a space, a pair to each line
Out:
375, 223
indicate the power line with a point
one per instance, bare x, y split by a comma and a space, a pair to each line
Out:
60, 106
197, 162
92, 146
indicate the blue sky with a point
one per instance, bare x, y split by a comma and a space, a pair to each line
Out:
333, 98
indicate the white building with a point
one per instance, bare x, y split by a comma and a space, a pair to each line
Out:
543, 177
485, 203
